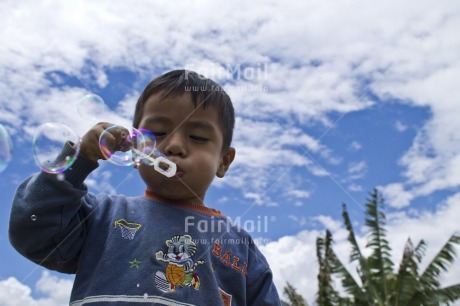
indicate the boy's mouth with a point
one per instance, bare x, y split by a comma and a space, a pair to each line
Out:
179, 172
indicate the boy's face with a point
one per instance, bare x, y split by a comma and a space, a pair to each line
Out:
190, 137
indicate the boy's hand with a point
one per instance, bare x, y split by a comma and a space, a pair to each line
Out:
115, 140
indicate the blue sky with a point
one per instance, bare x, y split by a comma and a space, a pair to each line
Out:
332, 99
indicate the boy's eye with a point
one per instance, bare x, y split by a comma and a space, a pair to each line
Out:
198, 138
159, 134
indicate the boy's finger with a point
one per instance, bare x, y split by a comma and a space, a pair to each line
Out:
107, 144
117, 138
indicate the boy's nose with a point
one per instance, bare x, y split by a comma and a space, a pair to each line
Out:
174, 145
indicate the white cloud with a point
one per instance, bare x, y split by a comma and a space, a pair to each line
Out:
12, 292
223, 200
56, 291
56, 288
300, 221
431, 164
396, 195
355, 146
355, 188
400, 51
269, 157
298, 203
357, 170
328, 222
322, 57
293, 259
300, 194
400, 126
259, 199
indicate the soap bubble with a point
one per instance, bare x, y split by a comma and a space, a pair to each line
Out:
124, 148
33, 218
48, 142
6, 148
147, 141
91, 106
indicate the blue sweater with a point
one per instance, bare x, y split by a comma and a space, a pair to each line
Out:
139, 250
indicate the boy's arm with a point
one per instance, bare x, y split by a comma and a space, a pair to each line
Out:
48, 216
260, 288
263, 291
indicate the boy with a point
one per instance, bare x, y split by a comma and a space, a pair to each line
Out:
145, 249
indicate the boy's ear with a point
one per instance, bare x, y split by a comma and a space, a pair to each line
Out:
227, 159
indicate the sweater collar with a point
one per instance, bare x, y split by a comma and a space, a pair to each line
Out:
184, 204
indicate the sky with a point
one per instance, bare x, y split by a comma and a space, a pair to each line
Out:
332, 97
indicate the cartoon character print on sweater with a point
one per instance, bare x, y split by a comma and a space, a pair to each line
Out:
180, 269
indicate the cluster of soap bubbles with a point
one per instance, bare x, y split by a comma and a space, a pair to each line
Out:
6, 148
90, 106
118, 145
123, 149
120, 148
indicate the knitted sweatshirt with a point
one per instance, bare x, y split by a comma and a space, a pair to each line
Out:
142, 250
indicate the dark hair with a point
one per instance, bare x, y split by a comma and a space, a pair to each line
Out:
204, 92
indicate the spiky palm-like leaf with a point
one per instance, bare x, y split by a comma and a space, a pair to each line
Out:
406, 282
349, 283
381, 266
429, 290
364, 269
295, 299
379, 284
440, 262
445, 295
327, 295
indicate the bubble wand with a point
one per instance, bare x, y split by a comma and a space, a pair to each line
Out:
158, 162
136, 143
